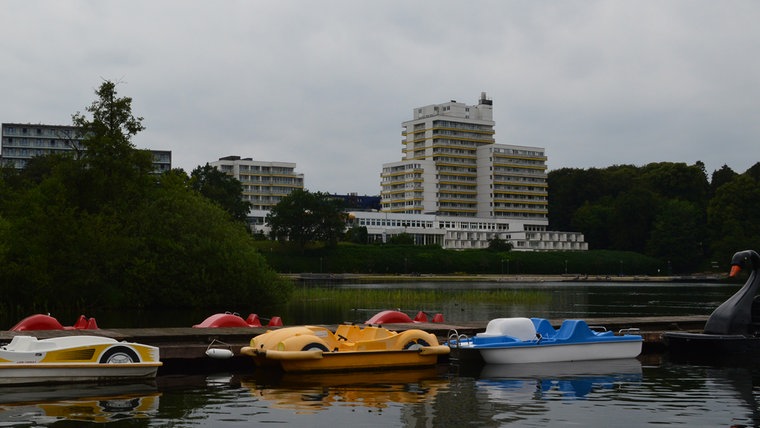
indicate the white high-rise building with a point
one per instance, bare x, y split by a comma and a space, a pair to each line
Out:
475, 189
452, 166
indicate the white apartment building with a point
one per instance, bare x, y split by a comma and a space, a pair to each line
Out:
264, 183
22, 141
455, 179
461, 233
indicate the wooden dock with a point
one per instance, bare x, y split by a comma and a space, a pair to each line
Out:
183, 348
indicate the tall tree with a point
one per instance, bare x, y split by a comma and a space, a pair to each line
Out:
303, 217
223, 189
720, 177
677, 235
732, 217
113, 169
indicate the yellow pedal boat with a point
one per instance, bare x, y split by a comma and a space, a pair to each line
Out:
27, 359
313, 348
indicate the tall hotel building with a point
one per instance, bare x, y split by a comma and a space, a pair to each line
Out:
457, 188
452, 166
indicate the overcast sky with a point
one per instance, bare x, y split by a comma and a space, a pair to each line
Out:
326, 84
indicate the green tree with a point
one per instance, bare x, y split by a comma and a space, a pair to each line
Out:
401, 239
732, 217
303, 217
677, 235
357, 235
594, 220
101, 230
112, 171
631, 220
720, 177
754, 171
676, 181
192, 254
223, 189
497, 244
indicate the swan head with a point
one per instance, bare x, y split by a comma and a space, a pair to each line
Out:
743, 260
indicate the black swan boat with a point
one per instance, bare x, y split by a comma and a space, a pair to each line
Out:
732, 331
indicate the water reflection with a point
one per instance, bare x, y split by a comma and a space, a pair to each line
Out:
567, 380
313, 393
98, 403
616, 392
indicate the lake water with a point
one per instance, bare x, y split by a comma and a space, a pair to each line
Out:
651, 390
623, 393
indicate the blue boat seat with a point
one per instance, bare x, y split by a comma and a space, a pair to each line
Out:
574, 330
518, 328
544, 327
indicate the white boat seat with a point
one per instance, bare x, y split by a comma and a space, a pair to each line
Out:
27, 344
519, 328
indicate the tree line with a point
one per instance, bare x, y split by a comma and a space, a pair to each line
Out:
98, 228
670, 211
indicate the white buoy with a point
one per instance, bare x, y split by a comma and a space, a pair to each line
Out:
219, 354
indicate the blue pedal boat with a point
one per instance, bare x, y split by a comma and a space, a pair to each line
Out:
534, 340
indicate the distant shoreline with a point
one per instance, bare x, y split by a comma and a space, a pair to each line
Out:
352, 277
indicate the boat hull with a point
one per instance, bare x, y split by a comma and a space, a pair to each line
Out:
361, 361
561, 352
79, 358
350, 347
318, 361
701, 347
18, 374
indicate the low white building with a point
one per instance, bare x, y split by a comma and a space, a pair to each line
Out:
452, 232
458, 233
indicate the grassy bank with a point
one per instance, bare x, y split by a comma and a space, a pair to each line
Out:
389, 259
363, 297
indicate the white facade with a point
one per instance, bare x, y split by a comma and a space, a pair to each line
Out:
452, 166
264, 183
455, 178
456, 232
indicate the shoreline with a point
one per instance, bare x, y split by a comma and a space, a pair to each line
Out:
391, 278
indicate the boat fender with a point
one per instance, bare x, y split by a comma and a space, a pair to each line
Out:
219, 354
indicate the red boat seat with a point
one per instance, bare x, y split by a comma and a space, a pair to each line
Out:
81, 323
92, 324
253, 320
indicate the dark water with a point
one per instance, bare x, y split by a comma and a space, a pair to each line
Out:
650, 391
623, 393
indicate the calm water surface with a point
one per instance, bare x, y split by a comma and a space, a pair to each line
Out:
651, 391
623, 393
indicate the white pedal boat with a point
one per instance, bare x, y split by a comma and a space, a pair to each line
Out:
534, 340
27, 359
